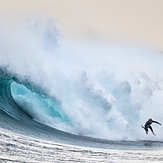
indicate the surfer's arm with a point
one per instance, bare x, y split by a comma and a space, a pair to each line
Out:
156, 122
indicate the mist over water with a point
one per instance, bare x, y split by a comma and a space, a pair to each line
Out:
104, 91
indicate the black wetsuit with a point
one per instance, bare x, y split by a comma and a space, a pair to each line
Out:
148, 125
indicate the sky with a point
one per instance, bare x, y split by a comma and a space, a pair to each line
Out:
137, 22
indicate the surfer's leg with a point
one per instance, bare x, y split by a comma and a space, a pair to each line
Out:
146, 130
152, 130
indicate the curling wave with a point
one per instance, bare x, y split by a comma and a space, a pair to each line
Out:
96, 90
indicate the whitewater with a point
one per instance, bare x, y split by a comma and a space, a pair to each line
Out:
63, 101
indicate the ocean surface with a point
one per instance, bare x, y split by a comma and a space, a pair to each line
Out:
67, 102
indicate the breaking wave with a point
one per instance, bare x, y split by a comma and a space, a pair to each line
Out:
102, 91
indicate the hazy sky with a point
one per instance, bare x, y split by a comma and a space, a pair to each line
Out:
129, 21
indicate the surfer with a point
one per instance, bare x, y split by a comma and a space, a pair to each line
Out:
148, 125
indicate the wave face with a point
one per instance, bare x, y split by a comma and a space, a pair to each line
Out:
90, 89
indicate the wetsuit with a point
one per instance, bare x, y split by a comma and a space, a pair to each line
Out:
148, 125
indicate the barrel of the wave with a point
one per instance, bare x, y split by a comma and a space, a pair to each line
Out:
39, 106
7, 103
